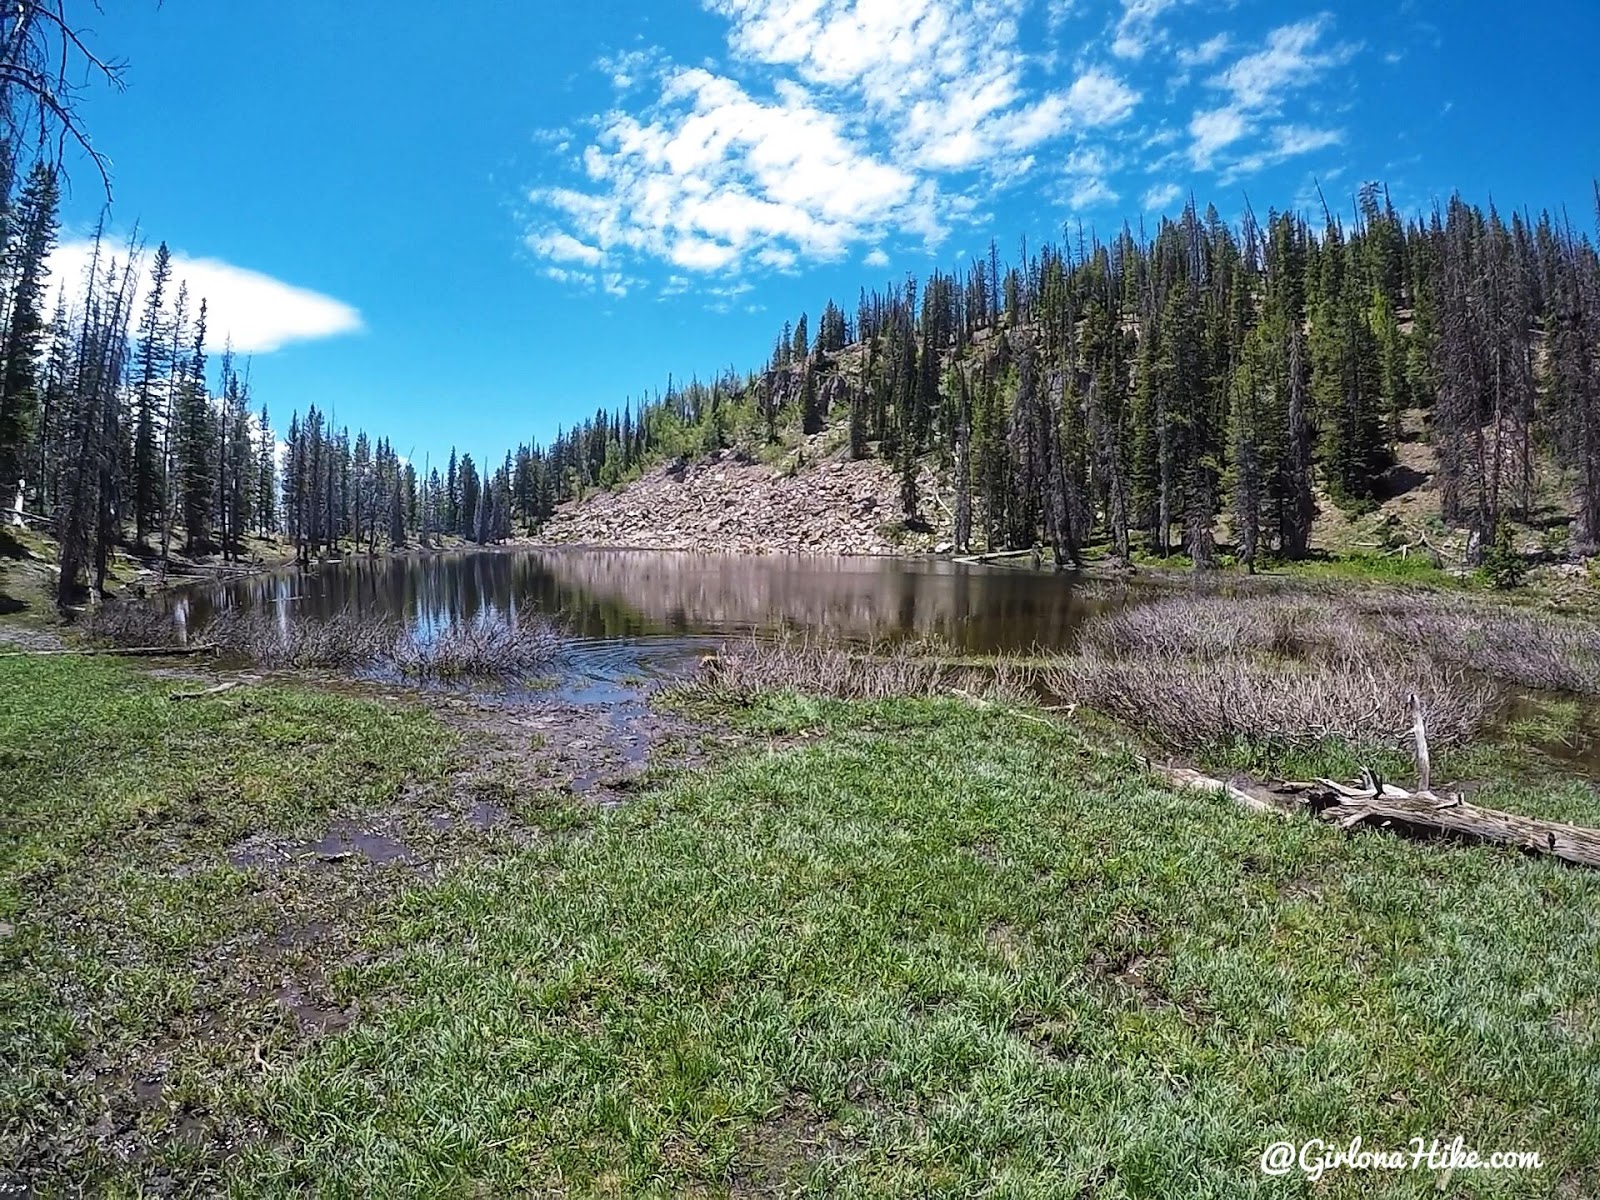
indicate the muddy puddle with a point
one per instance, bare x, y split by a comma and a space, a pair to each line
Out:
1563, 728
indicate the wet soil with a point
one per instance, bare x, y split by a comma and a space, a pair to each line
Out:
162, 1095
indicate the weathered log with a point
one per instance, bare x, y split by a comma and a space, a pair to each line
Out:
114, 652
1385, 806
228, 686
1425, 813
993, 556
1246, 795
1419, 736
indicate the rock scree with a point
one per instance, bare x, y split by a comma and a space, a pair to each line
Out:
826, 504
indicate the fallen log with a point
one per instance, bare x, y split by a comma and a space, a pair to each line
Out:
1423, 812
1245, 795
1384, 806
114, 652
1381, 804
1388, 807
992, 556
204, 692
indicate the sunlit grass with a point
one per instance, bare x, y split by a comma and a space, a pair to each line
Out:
935, 951
910, 947
122, 912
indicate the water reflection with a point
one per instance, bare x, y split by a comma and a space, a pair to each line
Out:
612, 595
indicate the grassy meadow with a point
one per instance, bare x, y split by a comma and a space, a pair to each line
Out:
889, 948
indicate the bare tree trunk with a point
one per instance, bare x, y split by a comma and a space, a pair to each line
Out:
963, 520
1296, 533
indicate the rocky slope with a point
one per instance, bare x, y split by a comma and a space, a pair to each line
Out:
820, 502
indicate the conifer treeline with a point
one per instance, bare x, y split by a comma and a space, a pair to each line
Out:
109, 429
1141, 389
1132, 392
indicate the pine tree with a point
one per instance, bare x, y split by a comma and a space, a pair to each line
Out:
195, 446
266, 476
27, 266
811, 418
152, 366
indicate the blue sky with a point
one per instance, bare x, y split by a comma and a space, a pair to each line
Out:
470, 224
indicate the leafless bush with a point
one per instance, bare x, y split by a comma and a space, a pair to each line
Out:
751, 668
118, 623
1217, 627
281, 640
1531, 649
481, 648
1188, 703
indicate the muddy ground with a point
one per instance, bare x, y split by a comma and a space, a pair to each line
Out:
530, 768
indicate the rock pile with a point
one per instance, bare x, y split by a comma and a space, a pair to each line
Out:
730, 502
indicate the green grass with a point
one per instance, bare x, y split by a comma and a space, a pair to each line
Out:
1351, 567
906, 948
1357, 567
935, 951
130, 940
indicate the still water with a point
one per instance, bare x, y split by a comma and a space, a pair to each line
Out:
651, 612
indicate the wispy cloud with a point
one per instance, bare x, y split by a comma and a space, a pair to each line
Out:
837, 123
255, 312
830, 128
1293, 57
1138, 30
1206, 53
1254, 89
1162, 196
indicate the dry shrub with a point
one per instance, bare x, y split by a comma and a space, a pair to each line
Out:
1531, 649
1189, 703
1194, 670
485, 647
747, 669
1214, 627
482, 648
281, 640
128, 624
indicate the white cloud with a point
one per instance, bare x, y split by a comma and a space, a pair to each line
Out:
1290, 59
1291, 140
1091, 193
563, 247
627, 68
840, 123
1283, 142
1256, 86
876, 258
1100, 98
1206, 53
256, 312
713, 174
1213, 130
1136, 31
1163, 195
1086, 174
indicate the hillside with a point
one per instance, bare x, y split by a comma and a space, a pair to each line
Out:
818, 501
